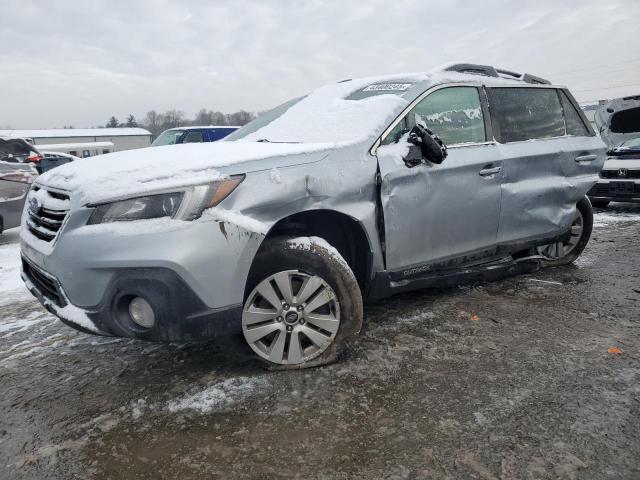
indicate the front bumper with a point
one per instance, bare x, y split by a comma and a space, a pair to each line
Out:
180, 314
192, 273
610, 190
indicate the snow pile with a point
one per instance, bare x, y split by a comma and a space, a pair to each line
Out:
306, 243
15, 324
12, 287
239, 219
104, 177
77, 316
603, 219
219, 395
325, 115
48, 201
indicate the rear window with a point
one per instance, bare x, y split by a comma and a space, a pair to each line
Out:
575, 125
520, 114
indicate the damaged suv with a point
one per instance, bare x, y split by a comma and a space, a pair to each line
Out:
280, 232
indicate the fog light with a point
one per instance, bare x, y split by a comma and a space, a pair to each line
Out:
141, 312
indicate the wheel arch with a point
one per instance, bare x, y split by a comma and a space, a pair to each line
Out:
342, 231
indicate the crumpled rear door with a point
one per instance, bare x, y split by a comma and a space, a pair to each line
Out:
542, 183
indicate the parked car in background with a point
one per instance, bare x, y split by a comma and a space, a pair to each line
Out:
618, 120
359, 190
192, 135
18, 150
15, 181
79, 150
620, 177
54, 159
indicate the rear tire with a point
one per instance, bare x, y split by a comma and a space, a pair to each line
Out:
564, 253
303, 304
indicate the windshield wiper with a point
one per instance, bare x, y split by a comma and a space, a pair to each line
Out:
263, 140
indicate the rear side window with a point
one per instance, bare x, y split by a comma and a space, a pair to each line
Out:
452, 113
520, 114
575, 125
193, 136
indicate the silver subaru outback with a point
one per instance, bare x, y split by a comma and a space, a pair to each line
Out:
352, 193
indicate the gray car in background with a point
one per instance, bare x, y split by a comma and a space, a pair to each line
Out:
352, 193
15, 181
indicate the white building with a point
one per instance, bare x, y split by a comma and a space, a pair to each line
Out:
84, 142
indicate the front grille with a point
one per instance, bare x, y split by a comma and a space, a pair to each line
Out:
616, 174
599, 190
47, 211
44, 283
602, 190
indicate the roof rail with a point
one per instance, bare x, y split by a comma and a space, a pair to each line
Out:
490, 71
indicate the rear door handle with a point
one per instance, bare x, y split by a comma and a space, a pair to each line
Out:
486, 172
585, 158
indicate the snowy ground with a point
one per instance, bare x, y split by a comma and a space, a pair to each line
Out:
519, 378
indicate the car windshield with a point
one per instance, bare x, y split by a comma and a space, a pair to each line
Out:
168, 137
347, 111
633, 143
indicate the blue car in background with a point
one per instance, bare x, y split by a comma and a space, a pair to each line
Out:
192, 135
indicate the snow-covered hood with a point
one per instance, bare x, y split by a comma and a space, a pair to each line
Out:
133, 172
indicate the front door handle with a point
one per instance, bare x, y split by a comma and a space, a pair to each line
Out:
585, 158
487, 172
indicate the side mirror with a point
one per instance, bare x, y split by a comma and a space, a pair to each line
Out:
431, 147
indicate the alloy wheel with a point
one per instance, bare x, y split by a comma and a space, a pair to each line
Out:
558, 250
291, 317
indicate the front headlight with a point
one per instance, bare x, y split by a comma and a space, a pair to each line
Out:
187, 204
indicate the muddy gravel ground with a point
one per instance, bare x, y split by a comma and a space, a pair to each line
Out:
535, 376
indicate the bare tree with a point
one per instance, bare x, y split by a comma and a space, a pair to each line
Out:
240, 118
203, 117
172, 119
152, 123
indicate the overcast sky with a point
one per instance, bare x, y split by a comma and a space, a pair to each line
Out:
79, 62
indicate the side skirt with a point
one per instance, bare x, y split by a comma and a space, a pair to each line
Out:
386, 284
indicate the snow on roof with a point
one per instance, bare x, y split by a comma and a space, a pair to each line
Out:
77, 146
75, 132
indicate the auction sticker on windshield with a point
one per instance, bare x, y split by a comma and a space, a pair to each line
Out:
387, 87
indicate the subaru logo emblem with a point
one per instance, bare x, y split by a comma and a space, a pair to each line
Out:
622, 172
35, 205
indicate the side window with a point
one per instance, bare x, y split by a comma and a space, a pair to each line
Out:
193, 136
575, 125
452, 113
519, 114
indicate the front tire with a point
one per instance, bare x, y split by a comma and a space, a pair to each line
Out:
303, 304
566, 252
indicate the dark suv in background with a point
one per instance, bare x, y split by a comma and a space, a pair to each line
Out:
192, 135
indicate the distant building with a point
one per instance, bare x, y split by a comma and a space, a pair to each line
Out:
84, 142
